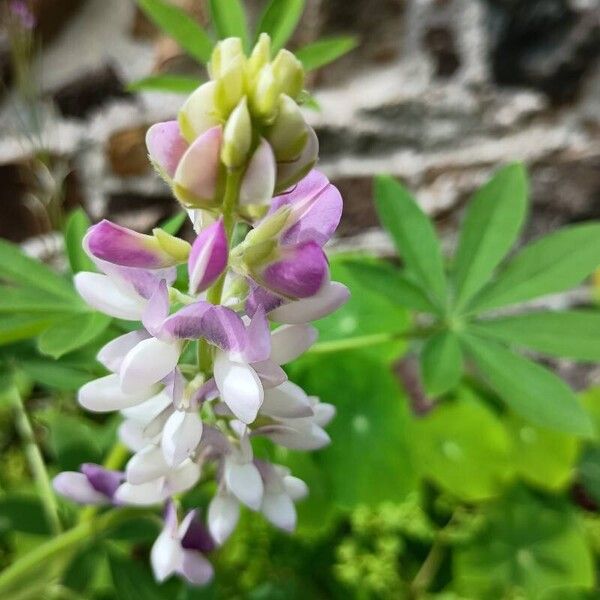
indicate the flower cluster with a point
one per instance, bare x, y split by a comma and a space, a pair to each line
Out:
202, 376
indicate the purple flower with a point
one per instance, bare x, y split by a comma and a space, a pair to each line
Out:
208, 258
93, 484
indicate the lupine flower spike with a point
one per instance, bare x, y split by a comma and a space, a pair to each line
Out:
239, 151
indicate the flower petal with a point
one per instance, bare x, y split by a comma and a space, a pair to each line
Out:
146, 465
287, 400
198, 114
152, 414
307, 437
290, 341
208, 258
181, 435
194, 535
259, 180
329, 298
112, 354
270, 373
157, 309
103, 480
165, 146
184, 477
295, 488
148, 363
195, 181
223, 515
145, 494
195, 568
289, 173
239, 386
105, 394
279, 510
258, 345
244, 482
77, 487
107, 296
166, 556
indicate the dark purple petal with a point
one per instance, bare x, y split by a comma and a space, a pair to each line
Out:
102, 480
197, 537
259, 296
299, 273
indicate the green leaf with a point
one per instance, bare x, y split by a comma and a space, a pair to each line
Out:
441, 363
18, 268
543, 458
28, 300
80, 572
55, 375
21, 327
527, 546
131, 580
279, 20
492, 225
176, 84
22, 512
229, 19
321, 53
384, 279
570, 333
463, 447
369, 432
589, 472
529, 389
75, 229
413, 234
552, 264
173, 224
180, 26
72, 333
367, 316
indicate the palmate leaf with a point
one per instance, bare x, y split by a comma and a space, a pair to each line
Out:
441, 363
72, 332
75, 229
279, 20
388, 281
492, 225
180, 26
325, 51
529, 389
16, 327
552, 264
528, 545
175, 84
229, 19
571, 333
413, 234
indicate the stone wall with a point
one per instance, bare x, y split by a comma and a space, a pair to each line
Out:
439, 93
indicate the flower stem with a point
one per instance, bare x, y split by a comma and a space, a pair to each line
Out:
36, 462
214, 293
40, 556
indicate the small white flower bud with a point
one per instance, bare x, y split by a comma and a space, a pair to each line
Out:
289, 133
265, 94
289, 73
237, 136
261, 56
226, 52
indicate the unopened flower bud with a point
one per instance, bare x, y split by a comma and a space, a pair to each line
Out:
230, 86
265, 94
176, 247
237, 136
199, 113
259, 253
270, 227
289, 73
225, 54
289, 132
261, 56
208, 257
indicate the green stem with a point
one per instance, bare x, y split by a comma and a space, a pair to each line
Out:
428, 569
214, 293
40, 556
36, 462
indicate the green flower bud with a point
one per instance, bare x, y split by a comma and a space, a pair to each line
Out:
289, 73
237, 136
289, 133
258, 254
265, 94
230, 86
261, 56
179, 249
199, 112
226, 52
270, 227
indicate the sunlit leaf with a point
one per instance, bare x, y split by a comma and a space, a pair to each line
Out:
325, 51
24, 326
176, 84
529, 389
492, 225
413, 234
279, 19
229, 19
173, 224
180, 26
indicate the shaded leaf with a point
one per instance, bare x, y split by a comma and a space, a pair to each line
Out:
325, 51
529, 389
279, 19
569, 333
131, 580
22, 512
55, 375
21, 327
176, 84
492, 225
441, 363
413, 234
75, 229
173, 224
71, 333
180, 26
29, 300
229, 19
552, 264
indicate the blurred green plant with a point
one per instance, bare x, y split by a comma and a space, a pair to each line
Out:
228, 18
